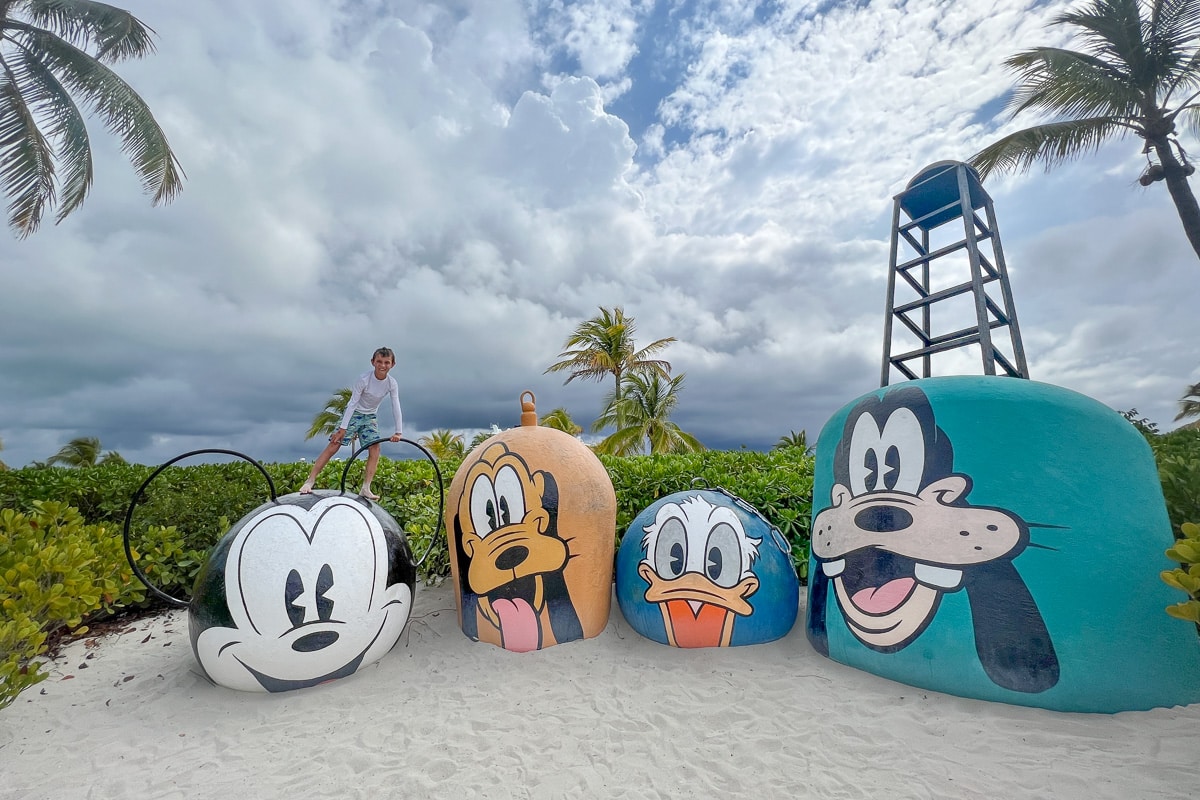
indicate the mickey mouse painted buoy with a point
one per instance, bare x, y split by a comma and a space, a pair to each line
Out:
531, 523
304, 589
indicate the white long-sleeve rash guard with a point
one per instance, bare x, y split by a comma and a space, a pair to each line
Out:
368, 393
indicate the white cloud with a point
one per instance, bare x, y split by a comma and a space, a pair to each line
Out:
450, 180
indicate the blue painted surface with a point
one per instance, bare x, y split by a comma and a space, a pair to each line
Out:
769, 611
1085, 486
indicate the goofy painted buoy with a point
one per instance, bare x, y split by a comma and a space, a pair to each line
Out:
304, 589
531, 522
997, 538
702, 568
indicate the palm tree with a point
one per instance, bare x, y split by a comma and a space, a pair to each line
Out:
113, 457
1137, 72
560, 420
326, 422
53, 54
794, 439
443, 444
604, 345
83, 451
641, 415
1189, 404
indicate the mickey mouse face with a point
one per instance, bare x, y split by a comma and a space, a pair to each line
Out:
306, 590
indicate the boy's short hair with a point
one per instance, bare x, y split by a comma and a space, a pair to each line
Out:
386, 352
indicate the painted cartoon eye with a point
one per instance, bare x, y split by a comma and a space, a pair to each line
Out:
293, 590
324, 602
510, 494
483, 506
901, 443
891, 471
670, 549
905, 454
723, 556
871, 469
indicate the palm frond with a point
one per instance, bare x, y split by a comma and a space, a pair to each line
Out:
121, 109
1052, 144
115, 33
66, 131
26, 158
1071, 84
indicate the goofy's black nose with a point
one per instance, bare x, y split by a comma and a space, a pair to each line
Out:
883, 519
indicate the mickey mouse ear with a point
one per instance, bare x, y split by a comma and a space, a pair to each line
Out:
137, 496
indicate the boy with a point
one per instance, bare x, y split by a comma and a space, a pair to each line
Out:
359, 420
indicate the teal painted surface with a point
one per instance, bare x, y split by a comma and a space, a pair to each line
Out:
1085, 483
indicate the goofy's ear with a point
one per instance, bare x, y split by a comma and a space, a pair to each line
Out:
1011, 638
818, 634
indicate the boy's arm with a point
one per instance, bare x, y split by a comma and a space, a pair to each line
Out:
396, 415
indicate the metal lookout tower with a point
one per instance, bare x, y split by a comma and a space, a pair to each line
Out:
933, 269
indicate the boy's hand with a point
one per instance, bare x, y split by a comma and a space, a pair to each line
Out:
338, 435
395, 437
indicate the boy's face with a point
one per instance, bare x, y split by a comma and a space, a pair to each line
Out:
382, 364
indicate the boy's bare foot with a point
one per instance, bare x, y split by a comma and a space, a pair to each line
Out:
367, 493
306, 488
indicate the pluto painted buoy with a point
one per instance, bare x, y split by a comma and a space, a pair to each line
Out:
531, 525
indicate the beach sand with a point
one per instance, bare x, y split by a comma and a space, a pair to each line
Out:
129, 716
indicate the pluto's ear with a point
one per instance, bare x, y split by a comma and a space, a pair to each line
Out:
1011, 638
550, 501
470, 625
564, 620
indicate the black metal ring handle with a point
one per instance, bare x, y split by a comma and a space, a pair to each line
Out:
137, 496
441, 487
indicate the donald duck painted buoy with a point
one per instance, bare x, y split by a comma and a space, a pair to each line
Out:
703, 568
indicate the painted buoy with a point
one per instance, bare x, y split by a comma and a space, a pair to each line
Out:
302, 590
702, 568
531, 525
1001, 539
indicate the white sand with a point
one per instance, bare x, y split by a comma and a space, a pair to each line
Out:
614, 716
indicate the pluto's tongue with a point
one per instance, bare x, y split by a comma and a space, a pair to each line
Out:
518, 624
696, 628
880, 600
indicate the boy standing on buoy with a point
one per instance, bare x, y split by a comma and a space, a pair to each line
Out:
359, 420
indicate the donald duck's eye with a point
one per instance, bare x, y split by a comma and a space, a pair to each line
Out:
670, 550
723, 556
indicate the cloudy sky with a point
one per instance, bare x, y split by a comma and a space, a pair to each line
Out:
467, 180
